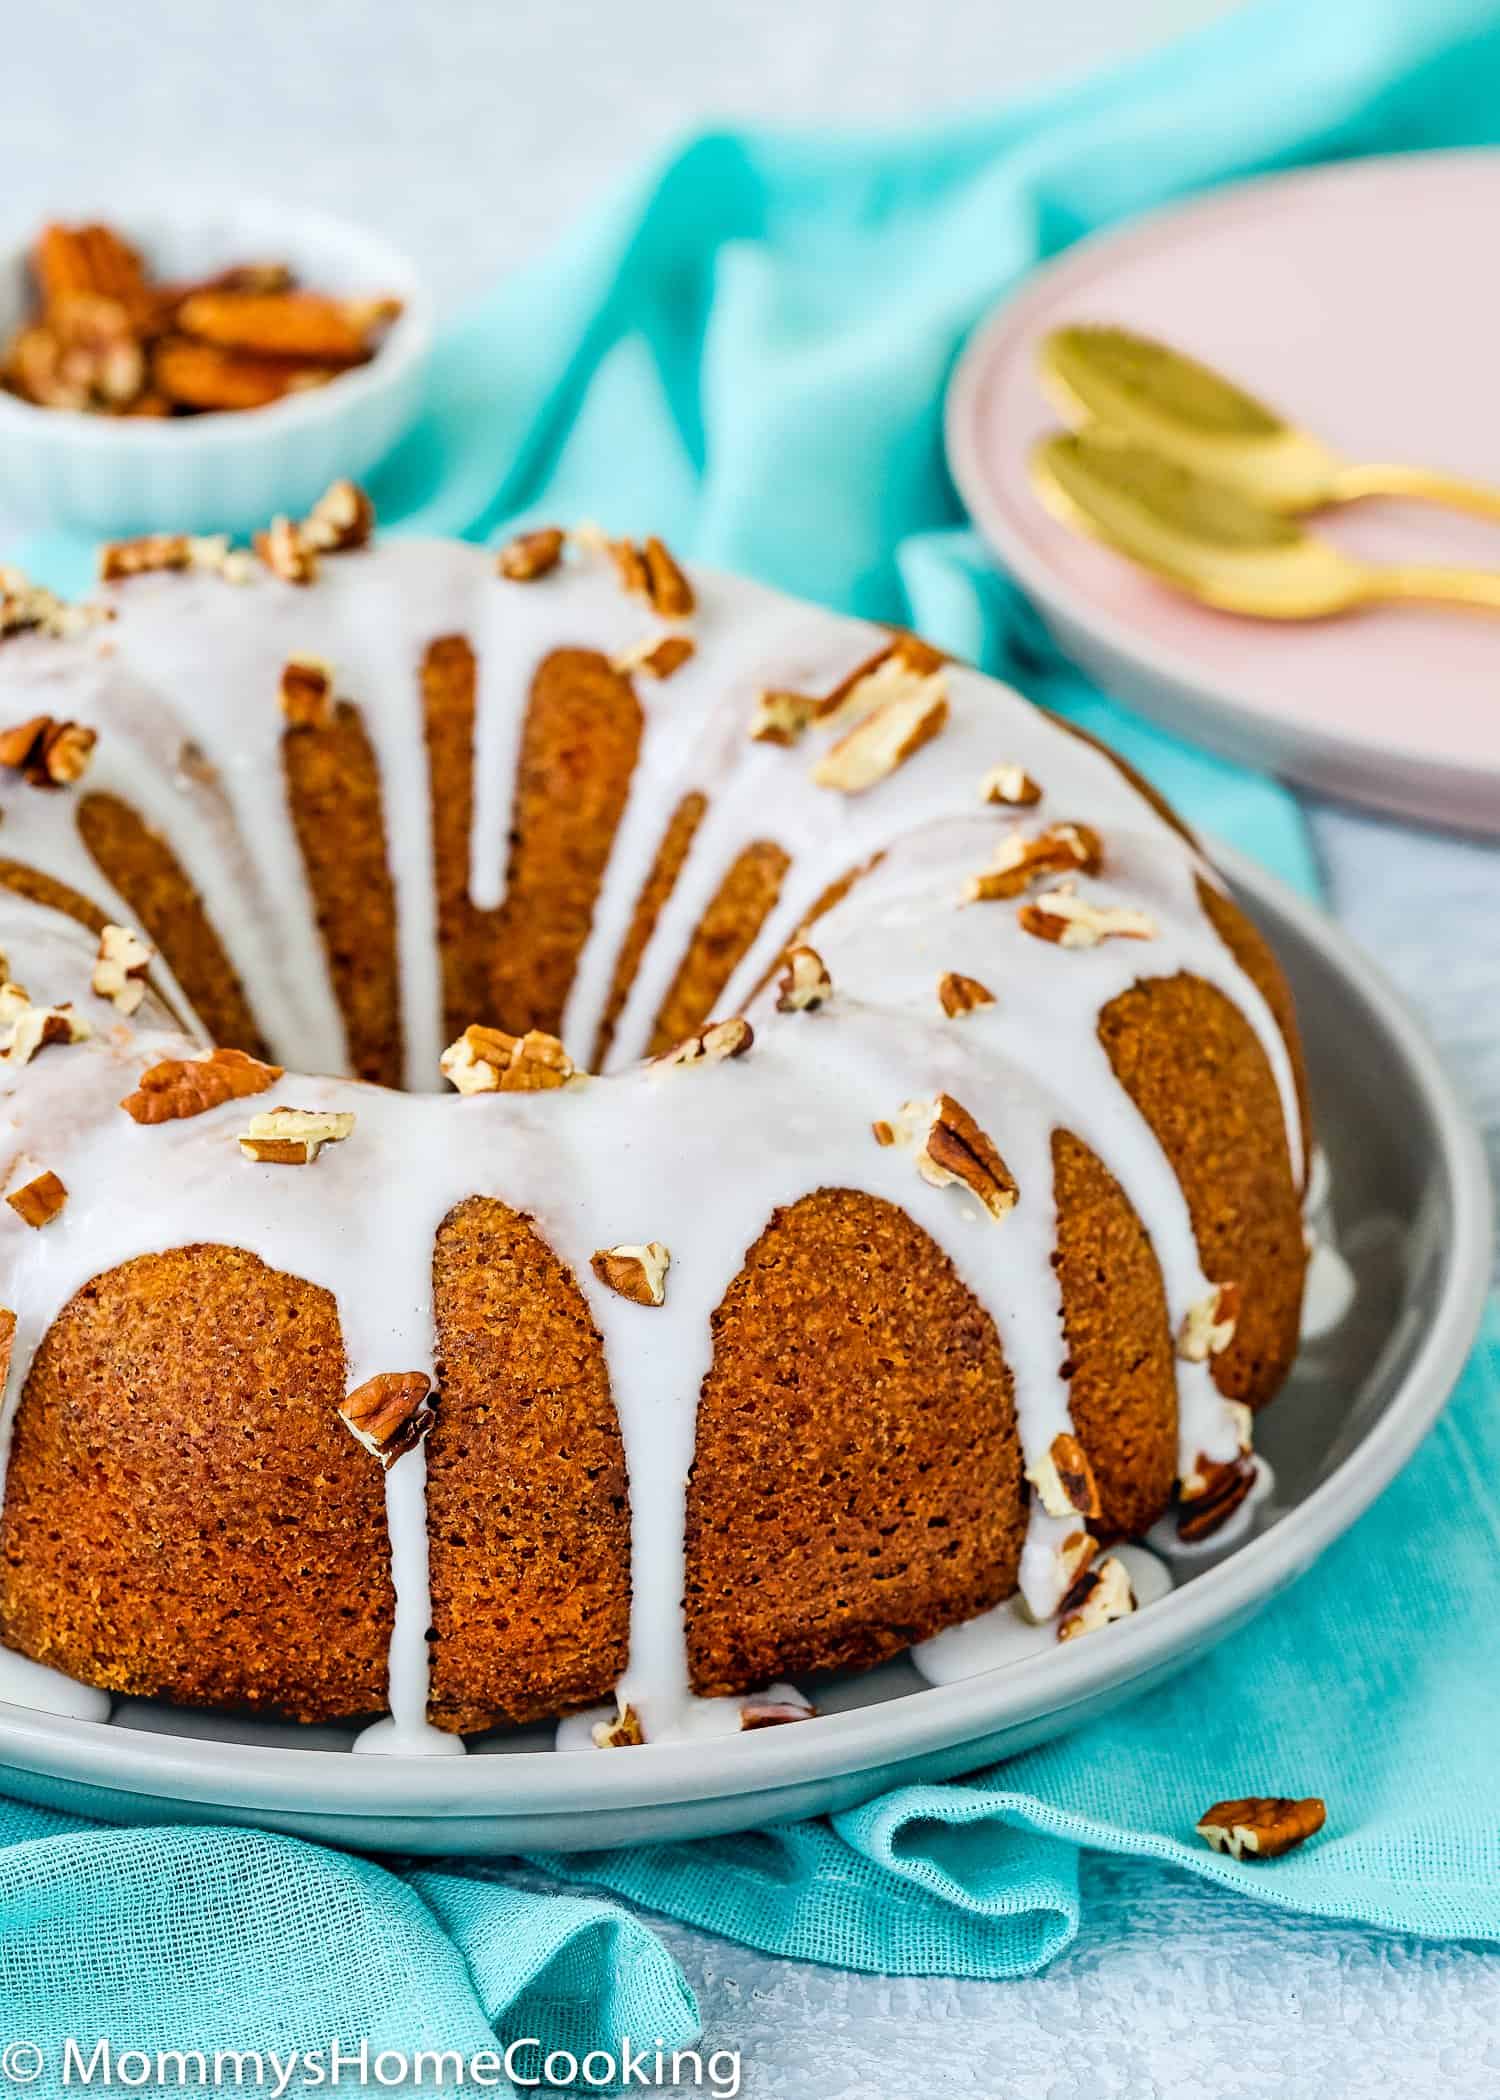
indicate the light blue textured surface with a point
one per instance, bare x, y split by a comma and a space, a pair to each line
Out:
751, 341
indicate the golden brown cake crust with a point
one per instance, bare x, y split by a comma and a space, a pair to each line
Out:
857, 1481
166, 903
448, 685
528, 1510
185, 1514
578, 751
1122, 1389
655, 890
333, 793
1195, 1068
736, 912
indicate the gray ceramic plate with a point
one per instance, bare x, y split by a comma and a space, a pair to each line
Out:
1411, 1201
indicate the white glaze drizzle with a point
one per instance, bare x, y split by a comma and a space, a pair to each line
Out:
697, 1158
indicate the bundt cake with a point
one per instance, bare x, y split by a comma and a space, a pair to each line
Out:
930, 1220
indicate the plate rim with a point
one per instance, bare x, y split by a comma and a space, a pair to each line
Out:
1162, 682
137, 1763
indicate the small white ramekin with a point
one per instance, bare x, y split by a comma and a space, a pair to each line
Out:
217, 473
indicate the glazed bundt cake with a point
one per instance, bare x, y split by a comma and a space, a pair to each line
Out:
819, 1151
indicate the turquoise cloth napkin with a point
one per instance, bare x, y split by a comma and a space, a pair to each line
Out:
746, 349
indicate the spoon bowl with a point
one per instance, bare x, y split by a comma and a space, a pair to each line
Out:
1210, 541
1144, 389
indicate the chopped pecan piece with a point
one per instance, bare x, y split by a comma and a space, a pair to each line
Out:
951, 1147
775, 1708
1072, 1557
804, 983
187, 1086
532, 554
1208, 1327
873, 749
1019, 861
636, 1273
307, 692
287, 552
959, 995
1261, 1826
1012, 785
390, 1413
341, 521
1064, 1479
1067, 919
293, 1137
1101, 1595
46, 752
488, 1061
7, 1343
29, 1028
899, 671
120, 968
624, 1732
38, 1201
161, 551
711, 1044
781, 717
659, 656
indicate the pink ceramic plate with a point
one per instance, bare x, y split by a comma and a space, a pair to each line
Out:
1357, 300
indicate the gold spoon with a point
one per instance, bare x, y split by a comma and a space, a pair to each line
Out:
1146, 390
1217, 547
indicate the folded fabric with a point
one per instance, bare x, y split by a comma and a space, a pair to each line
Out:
746, 350
1364, 1684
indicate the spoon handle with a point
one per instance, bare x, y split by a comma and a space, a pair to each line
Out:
1425, 484
1479, 587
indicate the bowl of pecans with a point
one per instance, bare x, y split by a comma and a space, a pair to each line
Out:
211, 365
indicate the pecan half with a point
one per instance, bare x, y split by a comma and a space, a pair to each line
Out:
38, 1201
187, 1086
636, 1273
958, 995
1070, 921
390, 1413
1261, 1826
1101, 1595
531, 554
307, 692
293, 1137
1019, 861
951, 1147
47, 753
488, 1061
1011, 785
804, 984
711, 1044
1064, 1479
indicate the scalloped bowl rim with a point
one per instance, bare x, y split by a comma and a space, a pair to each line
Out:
404, 346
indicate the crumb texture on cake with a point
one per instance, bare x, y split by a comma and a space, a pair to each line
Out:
752, 1351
